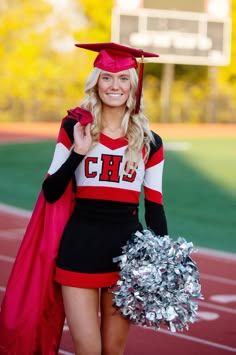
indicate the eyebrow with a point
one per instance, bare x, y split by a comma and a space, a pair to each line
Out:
109, 74
104, 73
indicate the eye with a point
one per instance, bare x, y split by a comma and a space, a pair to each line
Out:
124, 78
106, 78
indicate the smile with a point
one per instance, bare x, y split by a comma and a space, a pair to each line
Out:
114, 95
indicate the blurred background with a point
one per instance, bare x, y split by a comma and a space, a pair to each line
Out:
189, 95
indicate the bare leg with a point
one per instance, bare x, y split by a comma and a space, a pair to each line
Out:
81, 308
114, 327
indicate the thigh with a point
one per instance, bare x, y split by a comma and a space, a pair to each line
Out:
81, 308
114, 327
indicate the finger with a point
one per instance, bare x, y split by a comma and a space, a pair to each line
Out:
87, 129
79, 129
78, 126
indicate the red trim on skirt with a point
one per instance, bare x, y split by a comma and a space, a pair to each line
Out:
79, 279
108, 193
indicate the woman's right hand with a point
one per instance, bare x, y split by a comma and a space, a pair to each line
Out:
82, 138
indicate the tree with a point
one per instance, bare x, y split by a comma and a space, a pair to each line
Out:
40, 75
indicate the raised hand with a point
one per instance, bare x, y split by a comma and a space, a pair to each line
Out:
82, 138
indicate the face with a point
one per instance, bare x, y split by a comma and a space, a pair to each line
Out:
114, 88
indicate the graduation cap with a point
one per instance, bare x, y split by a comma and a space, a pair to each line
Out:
114, 57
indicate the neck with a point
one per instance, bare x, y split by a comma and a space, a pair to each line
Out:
112, 118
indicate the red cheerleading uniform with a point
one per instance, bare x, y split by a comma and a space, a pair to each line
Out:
106, 209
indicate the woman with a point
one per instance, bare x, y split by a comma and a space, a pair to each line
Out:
110, 160
107, 152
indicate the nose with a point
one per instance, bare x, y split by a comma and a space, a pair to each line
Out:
115, 83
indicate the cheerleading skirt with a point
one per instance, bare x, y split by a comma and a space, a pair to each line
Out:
93, 236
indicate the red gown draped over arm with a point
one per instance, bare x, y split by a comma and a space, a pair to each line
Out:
32, 313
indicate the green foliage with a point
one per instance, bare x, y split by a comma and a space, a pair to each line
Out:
228, 73
98, 14
152, 97
39, 82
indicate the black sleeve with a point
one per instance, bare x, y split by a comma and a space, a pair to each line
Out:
155, 218
154, 211
55, 185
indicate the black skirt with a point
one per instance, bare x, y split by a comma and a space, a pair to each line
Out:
93, 236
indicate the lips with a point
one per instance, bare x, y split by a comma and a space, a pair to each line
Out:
114, 95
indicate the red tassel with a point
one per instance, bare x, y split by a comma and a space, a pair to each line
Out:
139, 88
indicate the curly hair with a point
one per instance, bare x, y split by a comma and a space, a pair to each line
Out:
135, 126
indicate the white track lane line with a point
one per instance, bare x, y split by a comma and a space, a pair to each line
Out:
216, 254
65, 328
12, 234
219, 279
217, 307
15, 210
63, 352
199, 340
8, 259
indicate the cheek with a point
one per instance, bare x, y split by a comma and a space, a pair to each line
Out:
101, 89
127, 90
101, 93
127, 86
101, 85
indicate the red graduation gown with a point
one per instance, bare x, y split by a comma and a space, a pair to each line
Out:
32, 313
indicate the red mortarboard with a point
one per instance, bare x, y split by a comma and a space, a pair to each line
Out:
115, 57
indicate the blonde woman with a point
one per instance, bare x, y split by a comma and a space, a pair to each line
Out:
106, 148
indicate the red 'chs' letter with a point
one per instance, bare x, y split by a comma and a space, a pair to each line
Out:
130, 176
110, 167
86, 167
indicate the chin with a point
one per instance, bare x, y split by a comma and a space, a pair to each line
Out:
114, 104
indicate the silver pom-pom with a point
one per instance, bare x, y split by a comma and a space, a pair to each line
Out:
159, 282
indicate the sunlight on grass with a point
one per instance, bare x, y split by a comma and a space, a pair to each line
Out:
214, 158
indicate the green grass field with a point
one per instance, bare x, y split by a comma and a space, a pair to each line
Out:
199, 187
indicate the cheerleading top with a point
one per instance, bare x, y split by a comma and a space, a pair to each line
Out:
100, 175
106, 210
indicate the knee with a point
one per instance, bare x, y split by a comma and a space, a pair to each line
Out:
113, 347
91, 348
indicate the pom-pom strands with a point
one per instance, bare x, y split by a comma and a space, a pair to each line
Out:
159, 282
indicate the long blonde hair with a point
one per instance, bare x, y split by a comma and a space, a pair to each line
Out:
135, 126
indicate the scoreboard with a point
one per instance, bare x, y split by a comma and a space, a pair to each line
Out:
180, 5
182, 31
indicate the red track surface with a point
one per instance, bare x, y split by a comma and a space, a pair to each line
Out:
23, 137
213, 334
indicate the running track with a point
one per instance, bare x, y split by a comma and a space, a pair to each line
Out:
213, 334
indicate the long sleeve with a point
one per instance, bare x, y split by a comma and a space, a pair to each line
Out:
64, 163
155, 218
55, 185
154, 210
